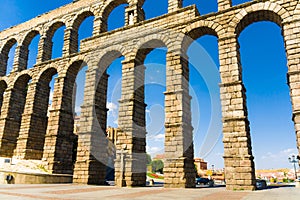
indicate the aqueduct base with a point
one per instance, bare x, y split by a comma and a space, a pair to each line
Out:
27, 132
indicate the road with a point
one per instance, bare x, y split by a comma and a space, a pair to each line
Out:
85, 192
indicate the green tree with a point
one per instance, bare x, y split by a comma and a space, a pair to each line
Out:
157, 166
149, 160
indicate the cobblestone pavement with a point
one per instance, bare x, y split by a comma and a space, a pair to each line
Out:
84, 192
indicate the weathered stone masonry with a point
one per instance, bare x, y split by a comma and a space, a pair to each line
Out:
27, 133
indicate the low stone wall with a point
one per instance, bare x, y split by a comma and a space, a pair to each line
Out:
31, 178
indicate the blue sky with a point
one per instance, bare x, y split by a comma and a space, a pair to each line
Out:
264, 74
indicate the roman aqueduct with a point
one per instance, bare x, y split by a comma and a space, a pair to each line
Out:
27, 133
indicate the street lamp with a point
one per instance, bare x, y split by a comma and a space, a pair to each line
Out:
294, 160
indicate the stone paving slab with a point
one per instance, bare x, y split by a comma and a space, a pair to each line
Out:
85, 192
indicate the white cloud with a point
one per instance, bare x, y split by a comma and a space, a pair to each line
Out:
51, 96
153, 150
287, 151
221, 154
155, 120
268, 155
116, 122
77, 109
159, 137
111, 106
279, 159
281, 154
112, 114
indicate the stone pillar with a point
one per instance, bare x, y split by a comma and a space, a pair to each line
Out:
131, 144
58, 148
7, 140
70, 42
291, 36
22, 57
44, 49
134, 14
103, 24
174, 5
92, 158
179, 170
239, 165
3, 87
3, 64
34, 122
20, 60
224, 4
11, 115
97, 25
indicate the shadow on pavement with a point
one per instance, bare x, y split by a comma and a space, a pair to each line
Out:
270, 187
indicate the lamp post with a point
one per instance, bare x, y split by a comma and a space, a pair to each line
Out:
294, 160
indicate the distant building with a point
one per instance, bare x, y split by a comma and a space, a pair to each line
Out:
279, 174
111, 134
200, 163
159, 157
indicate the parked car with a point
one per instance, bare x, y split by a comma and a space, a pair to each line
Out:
203, 181
261, 184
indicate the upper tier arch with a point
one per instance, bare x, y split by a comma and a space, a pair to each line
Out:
199, 29
4, 55
147, 44
109, 55
79, 18
258, 12
107, 9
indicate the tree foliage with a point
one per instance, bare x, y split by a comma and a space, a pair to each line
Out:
157, 166
149, 160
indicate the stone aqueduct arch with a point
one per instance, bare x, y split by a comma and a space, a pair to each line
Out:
53, 139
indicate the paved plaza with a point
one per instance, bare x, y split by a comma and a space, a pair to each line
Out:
84, 192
